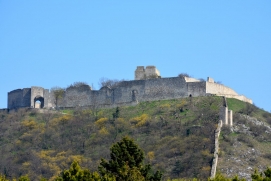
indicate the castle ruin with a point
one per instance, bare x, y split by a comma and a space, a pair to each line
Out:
149, 73
147, 86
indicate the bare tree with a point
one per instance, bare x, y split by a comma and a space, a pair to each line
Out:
58, 94
78, 84
184, 75
218, 82
112, 83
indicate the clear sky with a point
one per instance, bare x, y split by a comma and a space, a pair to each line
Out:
58, 42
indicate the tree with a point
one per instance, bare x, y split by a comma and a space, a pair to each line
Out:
256, 176
116, 114
3, 178
112, 83
126, 163
178, 168
184, 75
24, 178
58, 94
76, 173
78, 84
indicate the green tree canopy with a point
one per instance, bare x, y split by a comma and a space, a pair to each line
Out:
265, 176
126, 163
76, 173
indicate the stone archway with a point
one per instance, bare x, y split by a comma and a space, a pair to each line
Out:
38, 102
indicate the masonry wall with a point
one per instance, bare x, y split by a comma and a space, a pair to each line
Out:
140, 73
38, 92
218, 89
196, 89
130, 92
47, 99
126, 93
239, 97
151, 89
19, 98
224, 114
77, 96
216, 151
190, 79
151, 72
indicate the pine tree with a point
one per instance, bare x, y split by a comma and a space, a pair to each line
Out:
76, 173
126, 163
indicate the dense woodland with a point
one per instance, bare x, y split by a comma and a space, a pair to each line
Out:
176, 138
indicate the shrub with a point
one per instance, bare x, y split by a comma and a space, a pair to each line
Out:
246, 139
184, 75
257, 130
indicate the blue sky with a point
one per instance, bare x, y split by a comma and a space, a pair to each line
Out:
55, 43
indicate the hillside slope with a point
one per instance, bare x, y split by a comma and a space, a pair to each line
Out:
176, 136
246, 146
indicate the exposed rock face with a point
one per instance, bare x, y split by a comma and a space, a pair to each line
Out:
244, 149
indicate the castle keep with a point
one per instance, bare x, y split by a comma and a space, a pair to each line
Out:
147, 86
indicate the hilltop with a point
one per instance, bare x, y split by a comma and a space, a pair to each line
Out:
147, 86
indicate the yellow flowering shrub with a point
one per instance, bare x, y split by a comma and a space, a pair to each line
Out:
101, 122
140, 120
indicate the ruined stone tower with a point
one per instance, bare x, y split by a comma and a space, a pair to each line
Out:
149, 73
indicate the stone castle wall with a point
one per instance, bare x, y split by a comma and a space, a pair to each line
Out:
144, 88
216, 151
196, 89
37, 92
19, 98
221, 90
26, 97
131, 92
239, 97
218, 89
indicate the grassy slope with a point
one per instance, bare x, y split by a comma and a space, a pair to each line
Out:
174, 134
